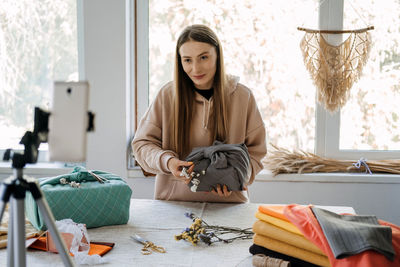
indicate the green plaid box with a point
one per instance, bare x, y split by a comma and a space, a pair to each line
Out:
94, 198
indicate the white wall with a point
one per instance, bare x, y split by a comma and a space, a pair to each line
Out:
104, 60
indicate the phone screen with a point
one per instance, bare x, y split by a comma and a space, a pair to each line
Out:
68, 122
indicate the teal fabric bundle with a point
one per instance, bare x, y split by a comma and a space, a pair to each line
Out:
93, 203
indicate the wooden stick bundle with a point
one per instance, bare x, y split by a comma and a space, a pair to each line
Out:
283, 161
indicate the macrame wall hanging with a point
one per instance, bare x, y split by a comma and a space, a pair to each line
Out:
334, 69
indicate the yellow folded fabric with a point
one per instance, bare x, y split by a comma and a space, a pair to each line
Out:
30, 231
3, 241
272, 231
290, 250
278, 222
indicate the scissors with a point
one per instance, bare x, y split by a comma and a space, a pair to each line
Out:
148, 246
98, 177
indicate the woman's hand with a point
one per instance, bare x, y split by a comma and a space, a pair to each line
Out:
175, 166
221, 191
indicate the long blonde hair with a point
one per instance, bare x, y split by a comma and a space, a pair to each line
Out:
185, 95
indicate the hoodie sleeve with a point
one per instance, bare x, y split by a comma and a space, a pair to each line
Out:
255, 138
147, 143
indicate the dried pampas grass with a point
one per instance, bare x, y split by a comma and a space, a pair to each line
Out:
283, 161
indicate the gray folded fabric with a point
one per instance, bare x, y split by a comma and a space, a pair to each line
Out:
224, 164
352, 234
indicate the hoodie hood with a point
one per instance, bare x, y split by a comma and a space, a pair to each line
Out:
231, 85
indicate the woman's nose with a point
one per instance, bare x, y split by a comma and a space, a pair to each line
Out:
196, 67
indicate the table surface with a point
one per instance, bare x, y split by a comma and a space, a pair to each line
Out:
158, 221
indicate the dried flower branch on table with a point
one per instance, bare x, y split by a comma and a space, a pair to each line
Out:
202, 231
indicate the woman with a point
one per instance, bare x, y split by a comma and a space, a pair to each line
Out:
201, 105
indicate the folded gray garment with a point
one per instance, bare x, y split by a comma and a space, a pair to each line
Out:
224, 164
352, 234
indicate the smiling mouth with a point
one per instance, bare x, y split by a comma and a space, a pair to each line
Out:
199, 76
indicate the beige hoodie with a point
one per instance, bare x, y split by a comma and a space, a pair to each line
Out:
152, 140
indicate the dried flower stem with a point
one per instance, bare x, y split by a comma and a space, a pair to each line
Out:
283, 161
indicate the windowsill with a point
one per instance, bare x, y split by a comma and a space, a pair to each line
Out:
41, 168
54, 169
267, 176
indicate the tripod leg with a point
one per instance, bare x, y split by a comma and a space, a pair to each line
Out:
4, 198
50, 223
19, 232
2, 209
10, 235
5, 189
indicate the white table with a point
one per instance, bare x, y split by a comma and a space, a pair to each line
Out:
158, 221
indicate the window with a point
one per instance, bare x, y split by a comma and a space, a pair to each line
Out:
261, 45
370, 120
38, 44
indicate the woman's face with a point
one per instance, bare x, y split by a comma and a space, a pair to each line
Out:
199, 61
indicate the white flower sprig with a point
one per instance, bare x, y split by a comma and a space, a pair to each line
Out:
72, 184
75, 184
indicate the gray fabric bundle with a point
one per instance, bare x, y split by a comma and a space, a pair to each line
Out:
224, 164
352, 234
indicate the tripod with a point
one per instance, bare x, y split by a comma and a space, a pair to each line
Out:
14, 189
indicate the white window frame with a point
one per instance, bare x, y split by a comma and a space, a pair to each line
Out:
142, 63
138, 46
327, 129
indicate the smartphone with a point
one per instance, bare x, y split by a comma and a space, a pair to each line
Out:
68, 121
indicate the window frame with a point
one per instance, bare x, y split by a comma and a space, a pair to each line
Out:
142, 57
138, 12
327, 125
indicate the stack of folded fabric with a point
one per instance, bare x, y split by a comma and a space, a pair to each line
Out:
30, 231
277, 237
348, 240
310, 236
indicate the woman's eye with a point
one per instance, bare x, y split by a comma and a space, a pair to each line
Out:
187, 60
204, 57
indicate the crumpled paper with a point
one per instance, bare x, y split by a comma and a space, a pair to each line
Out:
80, 244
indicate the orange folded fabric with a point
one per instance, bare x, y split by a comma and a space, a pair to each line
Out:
274, 211
99, 248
